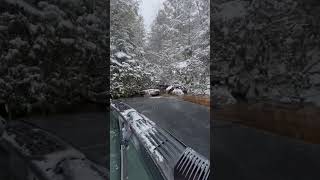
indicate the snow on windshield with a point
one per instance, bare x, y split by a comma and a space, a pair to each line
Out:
144, 128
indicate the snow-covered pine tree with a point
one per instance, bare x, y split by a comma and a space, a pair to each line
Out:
127, 73
179, 44
266, 49
50, 52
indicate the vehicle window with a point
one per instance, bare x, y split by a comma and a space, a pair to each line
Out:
115, 155
137, 167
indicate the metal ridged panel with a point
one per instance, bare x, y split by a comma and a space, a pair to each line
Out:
192, 165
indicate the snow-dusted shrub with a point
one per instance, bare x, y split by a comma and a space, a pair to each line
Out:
178, 92
169, 88
179, 44
128, 64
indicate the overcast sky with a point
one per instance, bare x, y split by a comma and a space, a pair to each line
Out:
149, 9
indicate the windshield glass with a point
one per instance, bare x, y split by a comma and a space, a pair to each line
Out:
115, 156
138, 167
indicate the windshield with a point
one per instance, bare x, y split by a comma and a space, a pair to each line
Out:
137, 167
136, 161
115, 157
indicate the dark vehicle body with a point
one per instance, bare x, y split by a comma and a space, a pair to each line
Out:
32, 153
163, 155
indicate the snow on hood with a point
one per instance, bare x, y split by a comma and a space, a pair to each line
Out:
75, 169
48, 164
72, 162
79, 170
143, 128
11, 139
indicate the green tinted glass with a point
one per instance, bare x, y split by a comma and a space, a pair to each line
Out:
137, 169
115, 156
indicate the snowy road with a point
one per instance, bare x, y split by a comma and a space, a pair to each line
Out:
187, 121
